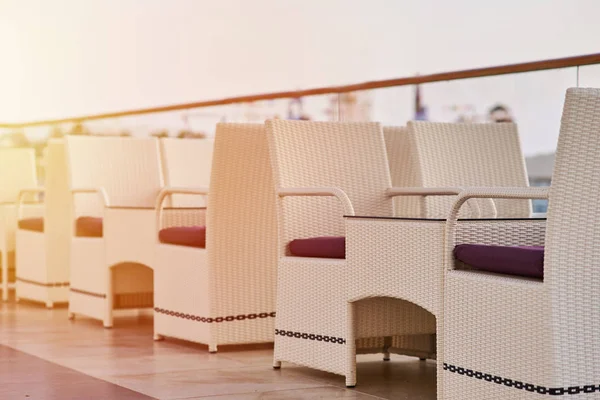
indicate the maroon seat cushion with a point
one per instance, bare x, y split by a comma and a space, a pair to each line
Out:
525, 261
88, 227
191, 236
32, 224
323, 247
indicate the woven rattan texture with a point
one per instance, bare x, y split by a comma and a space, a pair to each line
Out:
499, 330
316, 154
186, 163
234, 278
502, 233
44, 257
127, 168
17, 171
242, 233
540, 333
403, 170
129, 171
58, 213
573, 242
183, 217
467, 155
312, 295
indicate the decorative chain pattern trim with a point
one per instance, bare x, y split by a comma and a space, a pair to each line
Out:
560, 391
48, 284
209, 320
310, 336
101, 295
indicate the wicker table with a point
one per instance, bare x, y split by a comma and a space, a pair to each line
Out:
395, 277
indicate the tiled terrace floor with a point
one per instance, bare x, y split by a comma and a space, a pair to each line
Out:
60, 359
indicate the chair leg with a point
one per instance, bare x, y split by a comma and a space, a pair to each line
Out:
4, 275
276, 364
433, 347
437, 343
108, 302
386, 346
350, 347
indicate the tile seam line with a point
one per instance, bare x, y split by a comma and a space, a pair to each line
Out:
216, 396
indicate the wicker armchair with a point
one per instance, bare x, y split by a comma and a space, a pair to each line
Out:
215, 284
114, 182
322, 171
17, 172
43, 243
524, 332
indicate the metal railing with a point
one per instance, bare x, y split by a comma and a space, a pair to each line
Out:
577, 61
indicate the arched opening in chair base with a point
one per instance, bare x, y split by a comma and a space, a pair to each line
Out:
132, 286
385, 324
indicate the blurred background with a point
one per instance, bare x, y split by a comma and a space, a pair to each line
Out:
68, 59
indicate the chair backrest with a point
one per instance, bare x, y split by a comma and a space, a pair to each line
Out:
129, 169
403, 170
572, 256
347, 155
58, 224
457, 154
241, 221
17, 172
187, 163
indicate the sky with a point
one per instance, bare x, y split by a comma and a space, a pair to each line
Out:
62, 58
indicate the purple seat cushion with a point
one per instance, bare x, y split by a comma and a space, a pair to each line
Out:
525, 261
322, 247
190, 236
32, 224
88, 227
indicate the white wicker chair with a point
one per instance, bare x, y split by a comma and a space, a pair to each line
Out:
507, 336
17, 172
43, 249
322, 171
118, 180
224, 292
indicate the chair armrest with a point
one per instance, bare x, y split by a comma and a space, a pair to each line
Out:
498, 193
421, 191
484, 193
439, 191
21, 196
100, 191
319, 192
160, 199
